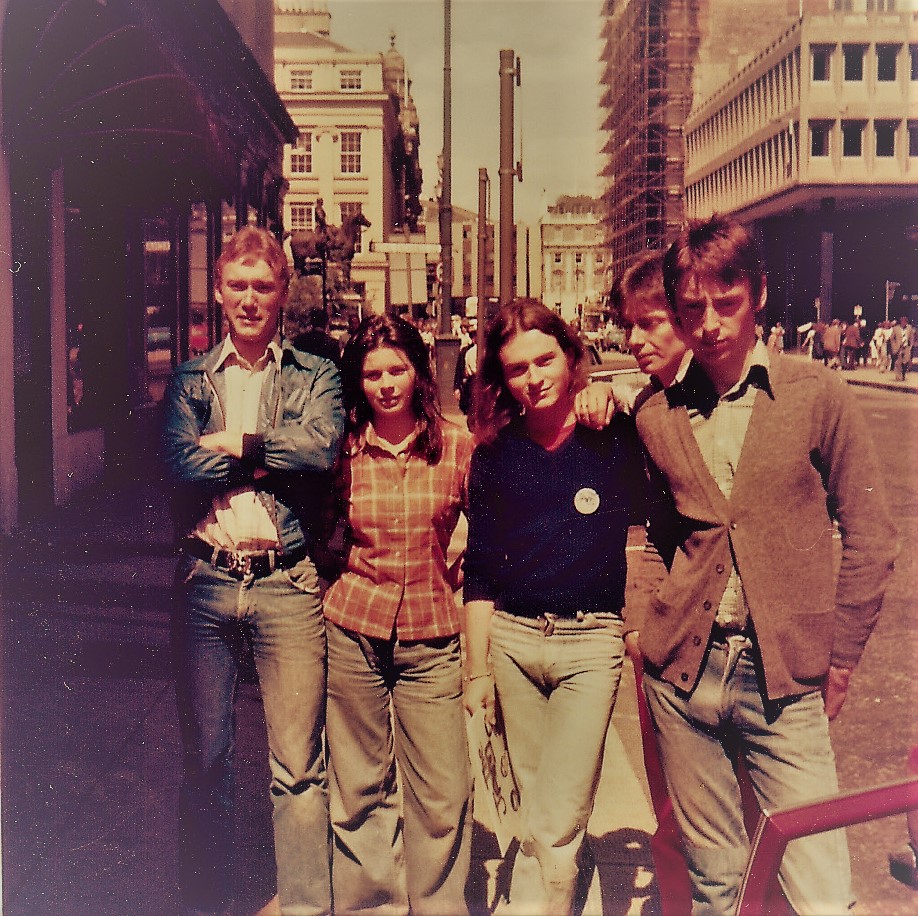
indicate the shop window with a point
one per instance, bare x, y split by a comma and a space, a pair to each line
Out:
160, 294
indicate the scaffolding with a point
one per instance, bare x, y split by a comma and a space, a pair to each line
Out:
649, 49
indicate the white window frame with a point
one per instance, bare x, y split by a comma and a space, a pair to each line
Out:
351, 80
301, 155
302, 215
300, 80
351, 162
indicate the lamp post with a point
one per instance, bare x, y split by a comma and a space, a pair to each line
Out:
447, 343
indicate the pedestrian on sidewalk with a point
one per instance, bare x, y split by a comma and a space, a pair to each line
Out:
901, 341
831, 344
734, 659
776, 338
550, 504
251, 432
395, 716
853, 342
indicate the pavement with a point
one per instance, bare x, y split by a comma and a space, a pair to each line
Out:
91, 751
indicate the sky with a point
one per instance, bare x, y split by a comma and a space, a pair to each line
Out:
556, 106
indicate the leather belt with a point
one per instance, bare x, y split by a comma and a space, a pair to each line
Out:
242, 563
720, 634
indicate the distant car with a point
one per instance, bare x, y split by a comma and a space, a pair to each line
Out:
615, 339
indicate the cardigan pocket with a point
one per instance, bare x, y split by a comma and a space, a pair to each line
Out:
807, 644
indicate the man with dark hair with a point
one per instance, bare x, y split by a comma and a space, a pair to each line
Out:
750, 641
251, 431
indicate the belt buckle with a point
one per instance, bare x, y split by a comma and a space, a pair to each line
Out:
239, 565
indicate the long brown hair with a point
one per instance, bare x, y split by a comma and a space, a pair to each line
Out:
495, 406
377, 331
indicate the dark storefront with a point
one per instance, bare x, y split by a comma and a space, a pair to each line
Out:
137, 133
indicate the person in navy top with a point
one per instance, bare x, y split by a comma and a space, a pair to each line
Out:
550, 503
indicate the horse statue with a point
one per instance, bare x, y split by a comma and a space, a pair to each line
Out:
312, 249
342, 240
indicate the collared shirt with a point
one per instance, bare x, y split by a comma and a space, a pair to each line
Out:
720, 431
401, 514
238, 519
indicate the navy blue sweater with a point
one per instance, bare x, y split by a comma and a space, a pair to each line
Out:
547, 530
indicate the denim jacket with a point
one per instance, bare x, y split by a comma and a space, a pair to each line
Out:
300, 425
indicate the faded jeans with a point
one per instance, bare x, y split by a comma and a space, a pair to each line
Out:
281, 616
395, 721
556, 681
789, 758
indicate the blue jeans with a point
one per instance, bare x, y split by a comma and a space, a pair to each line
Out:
281, 616
556, 684
789, 758
396, 707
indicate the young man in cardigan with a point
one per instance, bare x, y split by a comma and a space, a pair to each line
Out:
750, 641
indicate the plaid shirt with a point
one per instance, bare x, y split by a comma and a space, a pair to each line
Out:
401, 514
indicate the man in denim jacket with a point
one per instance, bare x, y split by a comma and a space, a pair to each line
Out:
251, 431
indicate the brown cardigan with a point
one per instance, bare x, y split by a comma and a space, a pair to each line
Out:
806, 460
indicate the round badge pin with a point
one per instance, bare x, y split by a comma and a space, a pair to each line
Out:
586, 500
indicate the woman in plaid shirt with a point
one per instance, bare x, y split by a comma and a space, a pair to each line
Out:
394, 672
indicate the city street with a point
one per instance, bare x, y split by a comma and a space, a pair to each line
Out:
90, 741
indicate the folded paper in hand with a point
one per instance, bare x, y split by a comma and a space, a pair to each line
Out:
497, 798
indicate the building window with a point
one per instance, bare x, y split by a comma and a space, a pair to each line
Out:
578, 258
913, 51
350, 208
351, 81
819, 139
886, 138
822, 57
557, 257
301, 80
854, 62
881, 6
886, 63
301, 157
350, 152
301, 216
913, 139
852, 138
842, 6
